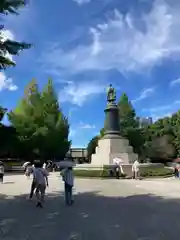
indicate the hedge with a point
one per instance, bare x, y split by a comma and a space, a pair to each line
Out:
155, 172
105, 173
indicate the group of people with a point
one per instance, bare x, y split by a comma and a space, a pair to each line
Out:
135, 170
39, 183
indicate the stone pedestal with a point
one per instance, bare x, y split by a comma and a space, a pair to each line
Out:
110, 148
112, 145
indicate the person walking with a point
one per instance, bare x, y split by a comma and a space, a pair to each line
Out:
136, 170
176, 171
41, 179
30, 170
1, 172
117, 171
68, 178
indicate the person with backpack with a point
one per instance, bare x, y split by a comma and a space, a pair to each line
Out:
41, 180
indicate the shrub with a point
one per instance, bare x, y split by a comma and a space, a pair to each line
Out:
106, 173
155, 172
95, 173
91, 173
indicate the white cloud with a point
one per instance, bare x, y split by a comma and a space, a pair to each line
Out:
163, 110
156, 117
78, 93
70, 112
82, 2
5, 35
6, 83
77, 129
144, 94
119, 44
86, 126
175, 82
158, 109
72, 132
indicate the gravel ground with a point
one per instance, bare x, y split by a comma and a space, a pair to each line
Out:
103, 210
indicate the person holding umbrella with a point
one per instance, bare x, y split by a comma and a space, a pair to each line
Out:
1, 172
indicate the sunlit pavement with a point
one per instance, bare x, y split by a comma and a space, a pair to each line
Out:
103, 209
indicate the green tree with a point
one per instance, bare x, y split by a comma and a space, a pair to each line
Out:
129, 125
8, 46
9, 144
102, 131
93, 143
40, 123
160, 140
160, 149
127, 114
2, 113
56, 123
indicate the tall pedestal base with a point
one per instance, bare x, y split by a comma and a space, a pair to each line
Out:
110, 148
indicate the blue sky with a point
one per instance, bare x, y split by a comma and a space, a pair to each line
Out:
84, 45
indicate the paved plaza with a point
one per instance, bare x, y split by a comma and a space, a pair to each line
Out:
103, 210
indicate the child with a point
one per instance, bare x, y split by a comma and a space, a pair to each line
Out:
41, 179
1, 172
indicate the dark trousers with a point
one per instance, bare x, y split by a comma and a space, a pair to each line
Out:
117, 175
33, 186
176, 172
1, 177
68, 194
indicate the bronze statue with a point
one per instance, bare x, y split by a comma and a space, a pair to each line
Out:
111, 94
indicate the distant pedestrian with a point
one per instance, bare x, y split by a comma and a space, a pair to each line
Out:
41, 180
68, 178
117, 171
176, 171
1, 172
31, 170
44, 165
136, 170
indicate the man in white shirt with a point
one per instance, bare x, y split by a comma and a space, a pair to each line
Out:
68, 178
136, 170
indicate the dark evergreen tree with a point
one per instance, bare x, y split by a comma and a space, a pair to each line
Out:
7, 46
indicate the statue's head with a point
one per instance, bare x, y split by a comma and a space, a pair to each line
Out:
110, 85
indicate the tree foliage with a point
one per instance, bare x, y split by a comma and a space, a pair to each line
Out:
129, 124
40, 124
159, 141
9, 47
91, 148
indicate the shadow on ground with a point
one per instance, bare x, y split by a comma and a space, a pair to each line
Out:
93, 216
